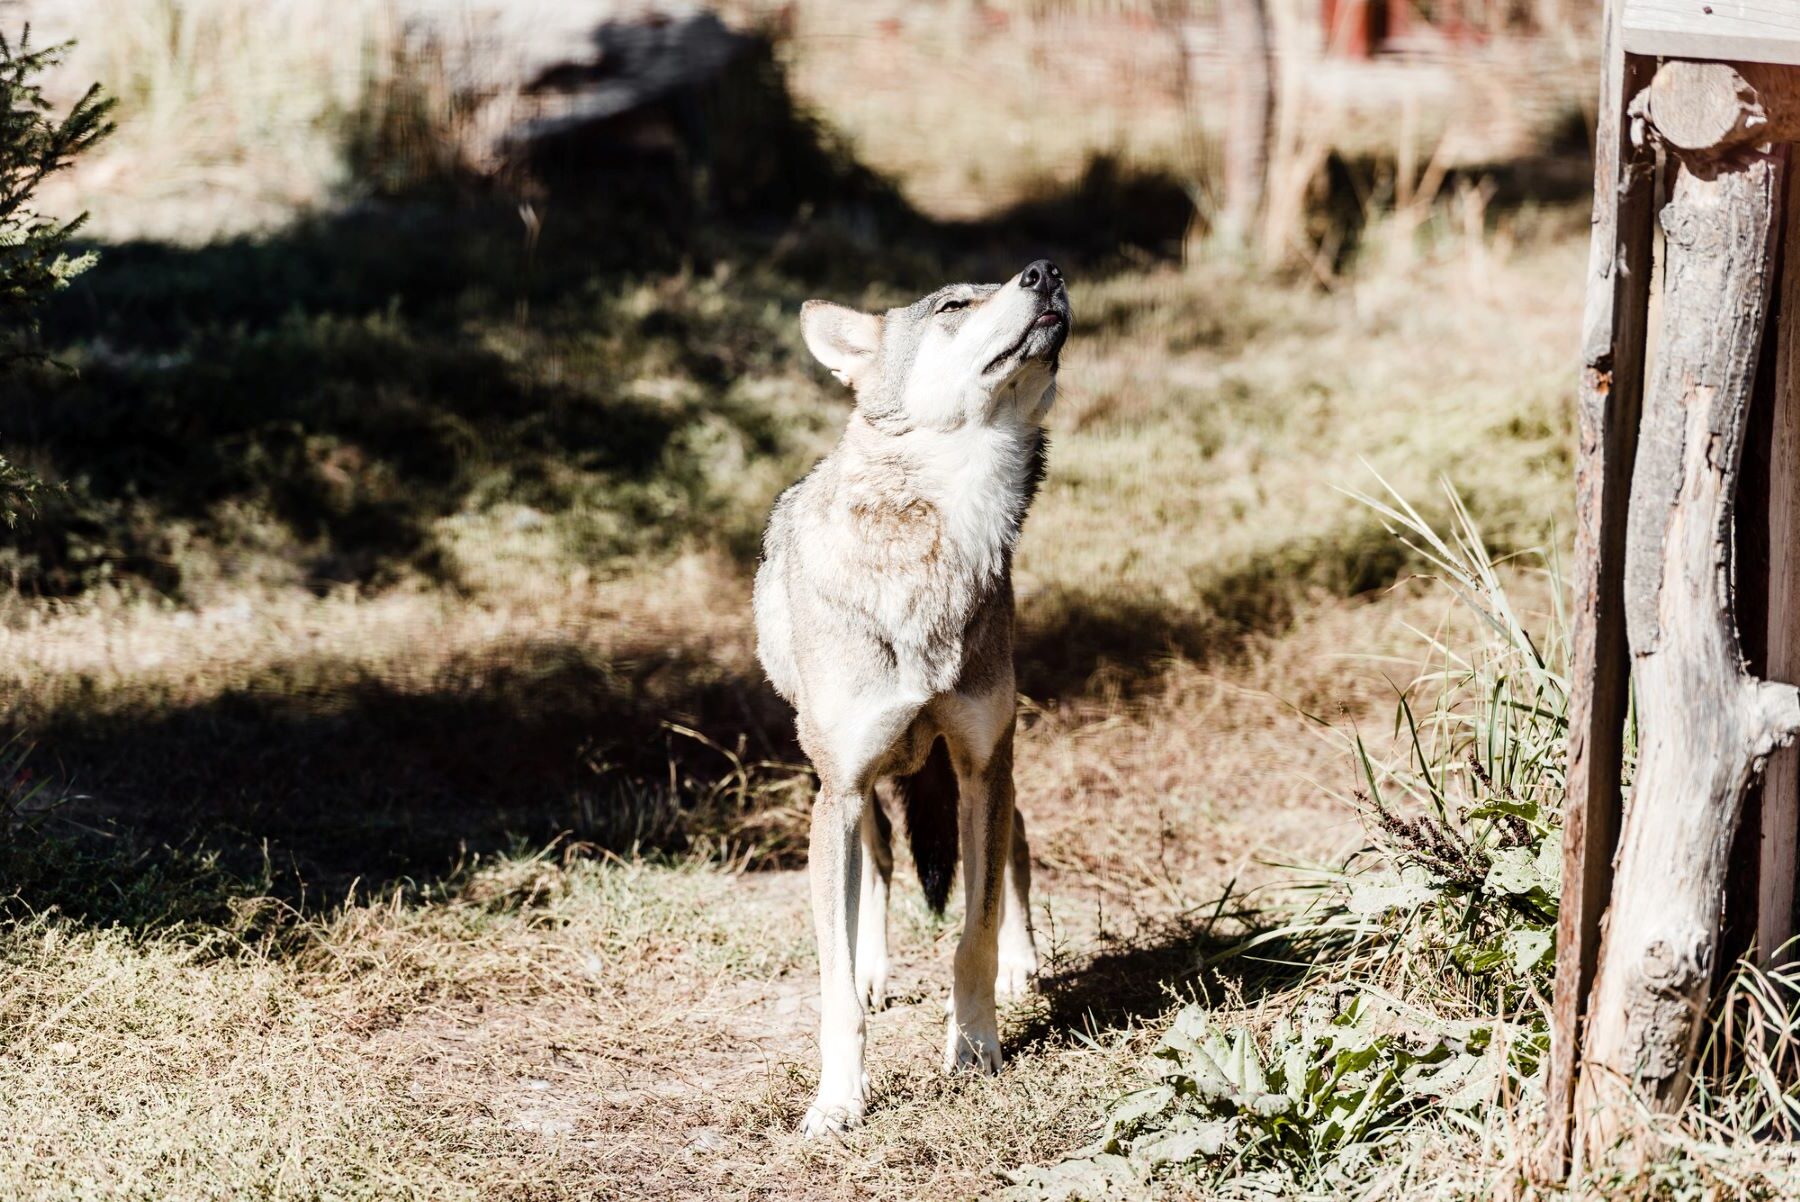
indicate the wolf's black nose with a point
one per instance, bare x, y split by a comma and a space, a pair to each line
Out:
1042, 276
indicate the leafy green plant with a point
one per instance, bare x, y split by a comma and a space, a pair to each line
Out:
34, 144
1467, 823
1302, 1107
35, 256
1421, 1019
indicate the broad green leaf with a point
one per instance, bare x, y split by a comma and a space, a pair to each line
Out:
1438, 1080
1479, 959
1189, 1140
1478, 1084
1550, 861
1250, 1075
1375, 894
1528, 948
1137, 1106
1091, 1179
1497, 807
1515, 871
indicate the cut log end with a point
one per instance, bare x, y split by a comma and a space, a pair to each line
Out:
1711, 108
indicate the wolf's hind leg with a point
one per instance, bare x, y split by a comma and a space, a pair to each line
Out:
872, 912
1018, 947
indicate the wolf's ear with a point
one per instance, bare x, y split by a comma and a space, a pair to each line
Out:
844, 340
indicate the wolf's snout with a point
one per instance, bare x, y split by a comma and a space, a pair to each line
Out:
1042, 276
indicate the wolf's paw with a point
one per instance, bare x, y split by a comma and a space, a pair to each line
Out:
835, 1111
972, 1049
872, 984
824, 1118
1017, 976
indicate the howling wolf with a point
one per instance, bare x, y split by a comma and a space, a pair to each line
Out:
884, 614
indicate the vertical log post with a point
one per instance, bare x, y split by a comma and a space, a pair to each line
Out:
1249, 116
1706, 725
1780, 816
1612, 381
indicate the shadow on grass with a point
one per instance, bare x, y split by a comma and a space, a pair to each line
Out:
312, 407
1071, 643
1131, 981
323, 398
321, 772
320, 776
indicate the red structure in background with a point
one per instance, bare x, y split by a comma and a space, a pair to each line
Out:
1364, 28
1357, 28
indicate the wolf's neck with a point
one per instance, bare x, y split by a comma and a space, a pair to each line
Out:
980, 479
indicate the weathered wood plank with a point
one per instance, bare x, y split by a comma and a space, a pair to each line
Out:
1780, 810
1618, 294
1705, 725
1757, 31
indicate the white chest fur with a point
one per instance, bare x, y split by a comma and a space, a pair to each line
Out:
978, 480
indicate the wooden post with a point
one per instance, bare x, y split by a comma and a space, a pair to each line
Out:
1780, 817
1705, 725
1612, 348
1249, 115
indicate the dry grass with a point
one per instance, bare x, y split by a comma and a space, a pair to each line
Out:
993, 77
441, 1050
231, 115
1215, 408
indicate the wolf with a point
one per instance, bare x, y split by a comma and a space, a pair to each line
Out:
884, 615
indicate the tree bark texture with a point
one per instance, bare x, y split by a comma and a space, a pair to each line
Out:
1706, 726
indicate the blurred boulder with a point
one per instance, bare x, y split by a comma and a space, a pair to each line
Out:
533, 71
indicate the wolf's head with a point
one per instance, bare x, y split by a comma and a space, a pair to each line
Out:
966, 353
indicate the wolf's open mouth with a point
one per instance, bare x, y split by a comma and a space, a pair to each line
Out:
1049, 319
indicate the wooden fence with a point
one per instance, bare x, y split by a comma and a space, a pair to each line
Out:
1687, 570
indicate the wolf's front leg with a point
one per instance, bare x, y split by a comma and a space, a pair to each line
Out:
836, 871
985, 782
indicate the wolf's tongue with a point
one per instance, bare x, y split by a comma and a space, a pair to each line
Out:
1049, 318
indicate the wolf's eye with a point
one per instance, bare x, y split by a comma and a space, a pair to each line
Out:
950, 306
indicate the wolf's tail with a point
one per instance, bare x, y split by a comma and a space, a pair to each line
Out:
928, 798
